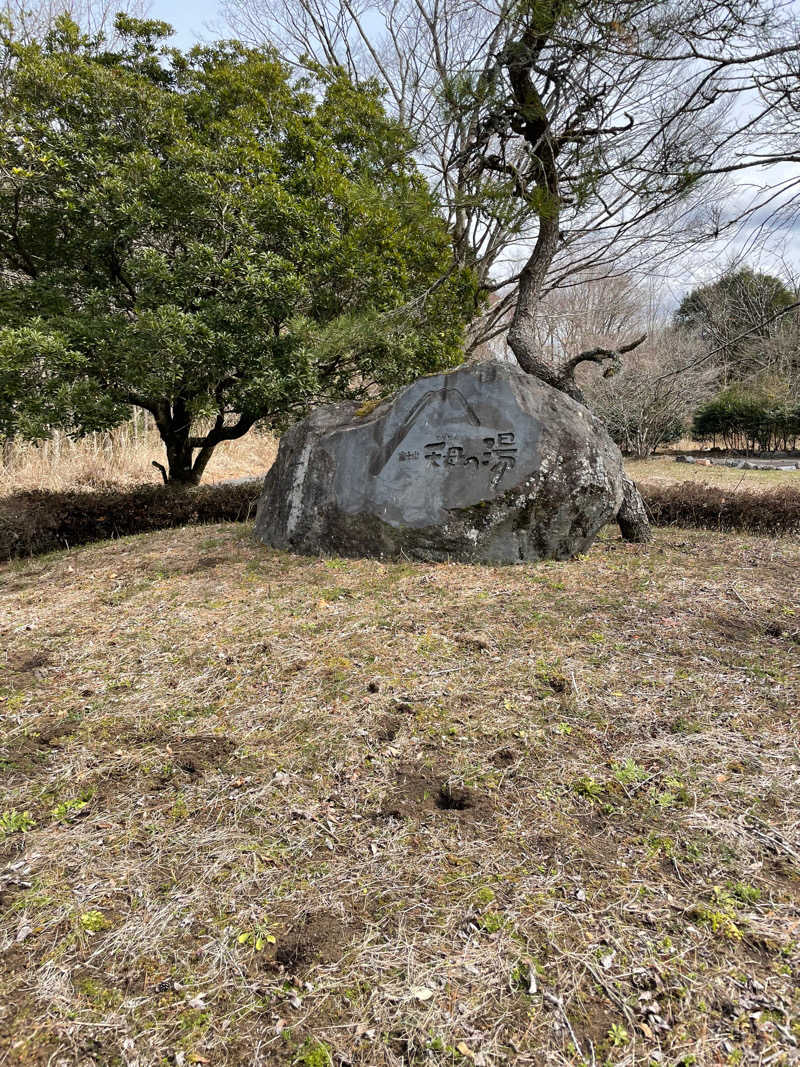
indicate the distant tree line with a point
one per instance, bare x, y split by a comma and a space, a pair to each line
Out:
751, 417
724, 370
748, 323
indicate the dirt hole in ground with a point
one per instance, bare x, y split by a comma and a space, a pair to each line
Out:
450, 798
416, 791
387, 728
25, 662
196, 754
734, 627
55, 730
205, 563
49, 733
319, 938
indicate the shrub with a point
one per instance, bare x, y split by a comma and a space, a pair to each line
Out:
39, 521
773, 512
764, 416
640, 437
650, 400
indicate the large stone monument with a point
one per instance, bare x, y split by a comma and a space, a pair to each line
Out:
482, 464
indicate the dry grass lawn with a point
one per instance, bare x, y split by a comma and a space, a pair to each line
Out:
663, 470
263, 809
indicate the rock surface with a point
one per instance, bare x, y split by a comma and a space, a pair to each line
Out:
482, 464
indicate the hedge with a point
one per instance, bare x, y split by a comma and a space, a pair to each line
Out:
772, 512
41, 521
35, 522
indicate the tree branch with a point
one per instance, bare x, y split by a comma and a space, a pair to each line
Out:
600, 355
163, 469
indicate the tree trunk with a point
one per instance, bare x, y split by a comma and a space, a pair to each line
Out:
522, 334
632, 515
174, 428
180, 472
174, 425
522, 339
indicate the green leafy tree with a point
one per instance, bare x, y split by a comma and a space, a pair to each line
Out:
735, 316
195, 235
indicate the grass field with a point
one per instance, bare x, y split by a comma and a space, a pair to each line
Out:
664, 470
263, 809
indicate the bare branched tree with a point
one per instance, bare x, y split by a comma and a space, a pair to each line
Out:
779, 354
599, 133
592, 313
31, 19
645, 407
769, 158
641, 403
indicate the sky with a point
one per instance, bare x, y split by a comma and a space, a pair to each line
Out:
191, 19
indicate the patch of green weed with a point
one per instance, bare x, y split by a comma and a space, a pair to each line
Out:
94, 921
314, 1054
15, 822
